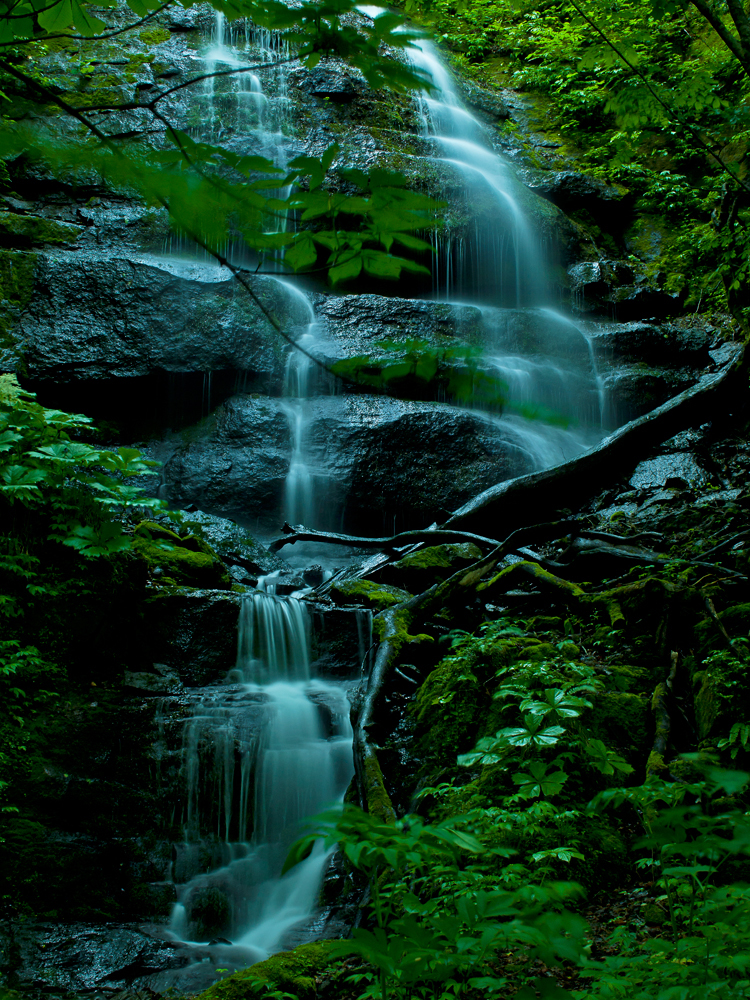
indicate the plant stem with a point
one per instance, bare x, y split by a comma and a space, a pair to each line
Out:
672, 916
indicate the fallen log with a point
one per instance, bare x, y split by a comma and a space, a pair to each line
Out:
427, 536
533, 497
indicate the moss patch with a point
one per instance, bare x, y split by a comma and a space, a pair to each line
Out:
292, 972
419, 570
374, 595
179, 561
621, 720
25, 231
16, 287
154, 36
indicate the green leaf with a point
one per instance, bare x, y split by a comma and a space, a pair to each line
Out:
93, 542
18, 476
57, 18
301, 254
346, 271
138, 7
84, 21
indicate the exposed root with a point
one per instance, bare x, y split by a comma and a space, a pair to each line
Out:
663, 721
718, 623
535, 496
437, 536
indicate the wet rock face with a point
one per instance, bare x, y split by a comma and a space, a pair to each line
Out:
81, 957
619, 290
94, 317
373, 458
194, 633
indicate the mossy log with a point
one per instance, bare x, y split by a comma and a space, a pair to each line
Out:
531, 498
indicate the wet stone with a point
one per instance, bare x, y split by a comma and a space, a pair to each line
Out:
678, 470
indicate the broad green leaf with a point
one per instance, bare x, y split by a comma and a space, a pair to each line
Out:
345, 272
15, 476
57, 18
84, 20
301, 254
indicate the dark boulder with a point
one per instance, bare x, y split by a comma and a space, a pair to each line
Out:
371, 459
96, 316
194, 633
620, 290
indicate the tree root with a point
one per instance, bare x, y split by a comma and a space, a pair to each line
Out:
429, 536
709, 604
662, 718
534, 496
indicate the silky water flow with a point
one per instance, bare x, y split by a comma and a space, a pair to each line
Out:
273, 745
543, 362
261, 754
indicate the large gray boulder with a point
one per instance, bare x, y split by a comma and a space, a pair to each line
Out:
94, 316
372, 459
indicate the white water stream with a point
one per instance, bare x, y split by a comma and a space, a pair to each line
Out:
501, 260
260, 756
273, 745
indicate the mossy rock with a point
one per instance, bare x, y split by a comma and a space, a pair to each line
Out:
622, 719
25, 231
536, 652
292, 972
154, 36
17, 269
366, 592
449, 709
630, 678
188, 562
721, 695
419, 570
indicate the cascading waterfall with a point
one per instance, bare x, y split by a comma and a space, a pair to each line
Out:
500, 261
552, 390
304, 485
274, 744
260, 755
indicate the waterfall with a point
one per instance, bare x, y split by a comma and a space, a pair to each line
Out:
543, 362
260, 755
502, 262
273, 745
302, 487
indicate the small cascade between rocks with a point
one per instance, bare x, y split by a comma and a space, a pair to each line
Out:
262, 753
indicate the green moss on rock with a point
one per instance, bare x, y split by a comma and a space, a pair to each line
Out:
154, 36
33, 231
374, 595
438, 558
621, 720
292, 972
179, 561
16, 287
